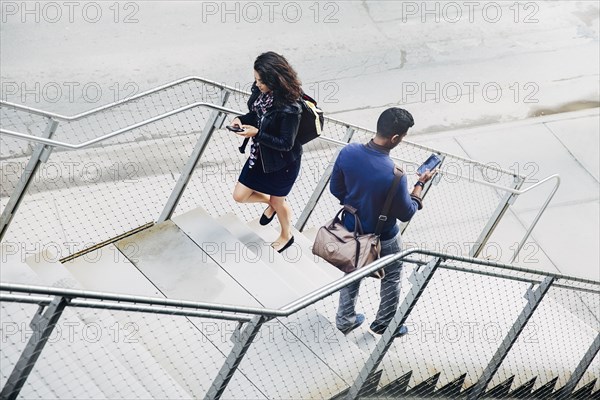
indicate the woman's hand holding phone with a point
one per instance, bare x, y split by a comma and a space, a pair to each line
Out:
240, 129
249, 131
236, 122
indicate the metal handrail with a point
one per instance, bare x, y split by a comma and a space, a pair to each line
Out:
57, 143
108, 301
290, 308
517, 192
237, 112
153, 309
223, 87
84, 114
110, 135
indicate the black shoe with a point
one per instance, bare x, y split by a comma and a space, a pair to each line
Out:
288, 244
264, 220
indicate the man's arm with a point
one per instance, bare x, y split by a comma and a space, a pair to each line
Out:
337, 185
410, 203
406, 205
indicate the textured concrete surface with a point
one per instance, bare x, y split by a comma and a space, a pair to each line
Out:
453, 64
567, 235
481, 83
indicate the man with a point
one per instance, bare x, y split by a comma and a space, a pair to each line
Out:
362, 176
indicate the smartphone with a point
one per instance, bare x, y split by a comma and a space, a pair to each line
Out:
429, 164
234, 128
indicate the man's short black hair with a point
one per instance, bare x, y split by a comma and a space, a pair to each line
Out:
394, 121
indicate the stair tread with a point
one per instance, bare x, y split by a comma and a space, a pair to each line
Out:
107, 270
152, 379
226, 250
325, 340
185, 280
325, 271
172, 262
283, 351
290, 266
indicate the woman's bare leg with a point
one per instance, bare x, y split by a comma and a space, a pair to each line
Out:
243, 194
284, 213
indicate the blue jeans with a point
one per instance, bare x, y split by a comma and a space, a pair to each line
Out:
389, 292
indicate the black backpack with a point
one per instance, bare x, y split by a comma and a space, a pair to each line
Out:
311, 120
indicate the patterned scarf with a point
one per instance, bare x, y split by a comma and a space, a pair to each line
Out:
260, 106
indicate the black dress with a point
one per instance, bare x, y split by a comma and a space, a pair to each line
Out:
278, 183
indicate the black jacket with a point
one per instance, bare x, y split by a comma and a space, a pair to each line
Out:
277, 133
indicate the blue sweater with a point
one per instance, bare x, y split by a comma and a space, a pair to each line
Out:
362, 176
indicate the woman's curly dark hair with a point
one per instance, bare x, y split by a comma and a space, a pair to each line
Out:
279, 76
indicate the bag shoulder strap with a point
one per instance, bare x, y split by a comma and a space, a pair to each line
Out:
306, 97
398, 173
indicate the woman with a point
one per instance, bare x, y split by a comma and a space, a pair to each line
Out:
272, 123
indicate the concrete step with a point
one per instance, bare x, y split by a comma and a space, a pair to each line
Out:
175, 265
45, 380
321, 336
290, 265
173, 262
71, 344
324, 271
106, 269
359, 339
219, 245
14, 269
307, 337
165, 348
309, 325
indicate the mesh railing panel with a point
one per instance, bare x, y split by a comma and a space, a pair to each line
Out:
23, 122
455, 328
462, 318
15, 319
562, 329
137, 110
590, 375
211, 185
95, 354
131, 176
458, 323
303, 356
80, 198
457, 206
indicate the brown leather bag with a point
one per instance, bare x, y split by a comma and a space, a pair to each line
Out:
347, 250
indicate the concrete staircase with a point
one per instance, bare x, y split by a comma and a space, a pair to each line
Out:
222, 260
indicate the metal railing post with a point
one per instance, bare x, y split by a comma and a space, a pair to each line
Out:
583, 365
534, 298
39, 155
242, 342
486, 233
213, 122
321, 186
419, 279
42, 326
539, 214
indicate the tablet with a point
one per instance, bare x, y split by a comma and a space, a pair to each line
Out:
430, 164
